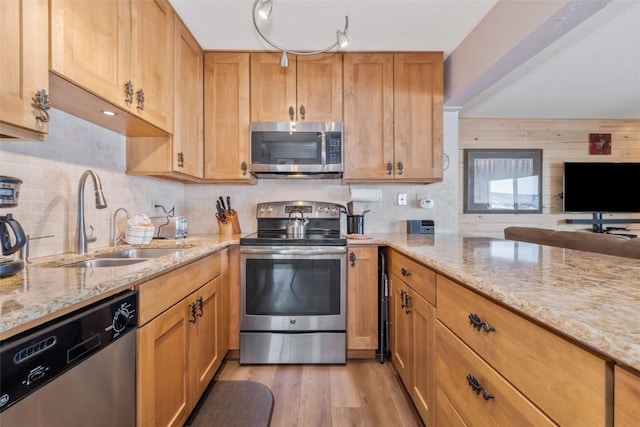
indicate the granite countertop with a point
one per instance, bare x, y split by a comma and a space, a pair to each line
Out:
592, 298
589, 297
44, 291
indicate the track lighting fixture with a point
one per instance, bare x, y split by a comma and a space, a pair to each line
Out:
262, 8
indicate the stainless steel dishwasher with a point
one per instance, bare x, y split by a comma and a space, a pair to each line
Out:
76, 370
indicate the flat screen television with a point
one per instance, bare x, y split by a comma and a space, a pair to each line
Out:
601, 187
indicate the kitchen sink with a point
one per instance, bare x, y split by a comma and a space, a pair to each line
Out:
141, 253
117, 262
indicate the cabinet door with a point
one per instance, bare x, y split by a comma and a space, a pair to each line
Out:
401, 333
162, 385
418, 92
423, 343
204, 336
91, 45
152, 51
226, 117
626, 398
319, 88
362, 298
24, 59
273, 88
188, 141
368, 116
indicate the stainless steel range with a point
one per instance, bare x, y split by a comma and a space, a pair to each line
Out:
293, 285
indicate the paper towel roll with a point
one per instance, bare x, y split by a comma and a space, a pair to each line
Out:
366, 194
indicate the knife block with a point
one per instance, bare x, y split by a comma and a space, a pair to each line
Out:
225, 228
232, 217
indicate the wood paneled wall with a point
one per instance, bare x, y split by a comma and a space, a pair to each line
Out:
560, 140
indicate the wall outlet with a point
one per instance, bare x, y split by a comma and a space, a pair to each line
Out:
402, 199
427, 203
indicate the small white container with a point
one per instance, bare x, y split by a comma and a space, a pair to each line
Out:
137, 235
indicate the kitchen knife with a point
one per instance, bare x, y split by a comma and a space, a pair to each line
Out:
222, 203
229, 204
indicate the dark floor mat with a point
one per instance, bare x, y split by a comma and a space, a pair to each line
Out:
234, 404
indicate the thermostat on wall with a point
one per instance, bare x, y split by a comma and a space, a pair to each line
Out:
420, 226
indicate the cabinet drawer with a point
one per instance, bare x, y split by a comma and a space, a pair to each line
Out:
414, 274
157, 295
568, 383
455, 363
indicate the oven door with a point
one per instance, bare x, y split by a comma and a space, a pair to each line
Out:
293, 289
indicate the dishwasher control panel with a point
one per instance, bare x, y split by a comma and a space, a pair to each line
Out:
30, 360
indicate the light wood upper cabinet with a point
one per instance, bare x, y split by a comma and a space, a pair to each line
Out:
24, 58
121, 51
368, 115
227, 115
152, 50
362, 298
188, 140
180, 156
91, 45
309, 89
393, 117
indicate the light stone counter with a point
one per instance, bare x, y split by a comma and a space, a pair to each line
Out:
592, 298
43, 290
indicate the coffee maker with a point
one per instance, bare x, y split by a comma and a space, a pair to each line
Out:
12, 237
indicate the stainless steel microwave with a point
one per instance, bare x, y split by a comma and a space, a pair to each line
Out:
297, 149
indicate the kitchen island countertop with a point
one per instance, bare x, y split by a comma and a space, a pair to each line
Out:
589, 297
592, 298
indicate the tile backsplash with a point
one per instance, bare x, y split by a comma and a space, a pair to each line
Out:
51, 170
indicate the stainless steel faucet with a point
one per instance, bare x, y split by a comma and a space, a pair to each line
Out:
81, 233
116, 236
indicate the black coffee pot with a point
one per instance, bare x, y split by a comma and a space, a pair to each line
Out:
8, 227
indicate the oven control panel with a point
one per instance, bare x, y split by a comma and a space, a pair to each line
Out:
308, 209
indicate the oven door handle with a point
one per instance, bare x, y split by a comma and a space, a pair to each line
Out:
298, 250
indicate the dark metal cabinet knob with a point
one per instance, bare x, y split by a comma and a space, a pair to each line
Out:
243, 167
400, 168
478, 388
303, 112
292, 112
352, 258
389, 168
140, 97
478, 324
128, 90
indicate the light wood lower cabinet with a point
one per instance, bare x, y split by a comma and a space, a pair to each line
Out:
181, 347
500, 349
362, 297
413, 333
626, 398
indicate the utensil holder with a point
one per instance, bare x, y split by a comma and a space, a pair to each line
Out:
232, 217
355, 224
225, 229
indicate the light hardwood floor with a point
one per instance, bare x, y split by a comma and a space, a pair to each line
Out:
360, 393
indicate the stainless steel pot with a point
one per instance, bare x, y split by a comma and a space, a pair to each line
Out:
296, 227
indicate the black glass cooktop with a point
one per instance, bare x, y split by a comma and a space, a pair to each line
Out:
279, 238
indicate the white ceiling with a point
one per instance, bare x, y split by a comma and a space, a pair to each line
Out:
593, 71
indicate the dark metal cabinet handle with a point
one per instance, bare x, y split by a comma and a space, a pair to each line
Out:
303, 112
243, 166
292, 112
402, 294
200, 306
181, 159
41, 102
400, 168
128, 90
389, 168
407, 305
405, 272
477, 387
193, 319
352, 258
140, 96
478, 324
